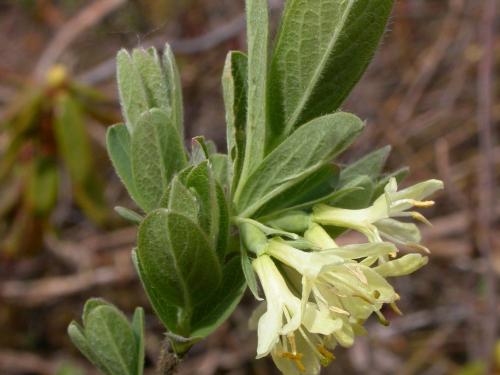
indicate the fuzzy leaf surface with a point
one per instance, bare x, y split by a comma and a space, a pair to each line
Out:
118, 146
157, 153
235, 87
258, 43
323, 48
178, 265
133, 98
303, 153
110, 336
215, 310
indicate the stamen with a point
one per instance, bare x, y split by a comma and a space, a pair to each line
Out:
310, 343
296, 358
395, 308
335, 291
419, 217
418, 247
356, 271
422, 204
338, 310
381, 318
328, 356
364, 298
293, 344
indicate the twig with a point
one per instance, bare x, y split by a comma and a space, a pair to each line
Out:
12, 362
485, 172
229, 30
431, 62
39, 292
168, 363
88, 17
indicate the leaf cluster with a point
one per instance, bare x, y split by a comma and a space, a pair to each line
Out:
47, 140
284, 131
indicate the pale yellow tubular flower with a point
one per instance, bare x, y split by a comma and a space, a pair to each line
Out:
287, 323
281, 303
319, 237
344, 288
379, 220
402, 266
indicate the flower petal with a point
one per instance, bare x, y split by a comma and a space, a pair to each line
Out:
402, 266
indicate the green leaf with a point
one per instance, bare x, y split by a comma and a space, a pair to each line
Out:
128, 214
319, 184
133, 98
323, 48
43, 186
358, 198
150, 70
138, 329
180, 199
72, 138
157, 153
110, 336
168, 313
178, 266
235, 86
257, 40
211, 314
174, 86
303, 153
370, 165
201, 181
221, 168
77, 336
223, 222
108, 340
90, 305
118, 145
201, 149
251, 280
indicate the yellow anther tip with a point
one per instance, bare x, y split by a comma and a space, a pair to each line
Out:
423, 204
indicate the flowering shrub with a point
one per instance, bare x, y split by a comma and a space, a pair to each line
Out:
271, 209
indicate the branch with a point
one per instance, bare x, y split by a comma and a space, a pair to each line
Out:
229, 30
88, 17
485, 185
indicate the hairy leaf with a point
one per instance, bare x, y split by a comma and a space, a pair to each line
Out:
211, 314
255, 128
370, 165
178, 265
133, 98
303, 153
157, 153
180, 199
235, 86
202, 182
110, 336
138, 330
323, 48
118, 145
148, 65
174, 87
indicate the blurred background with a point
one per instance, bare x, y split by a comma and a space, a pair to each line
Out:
430, 93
